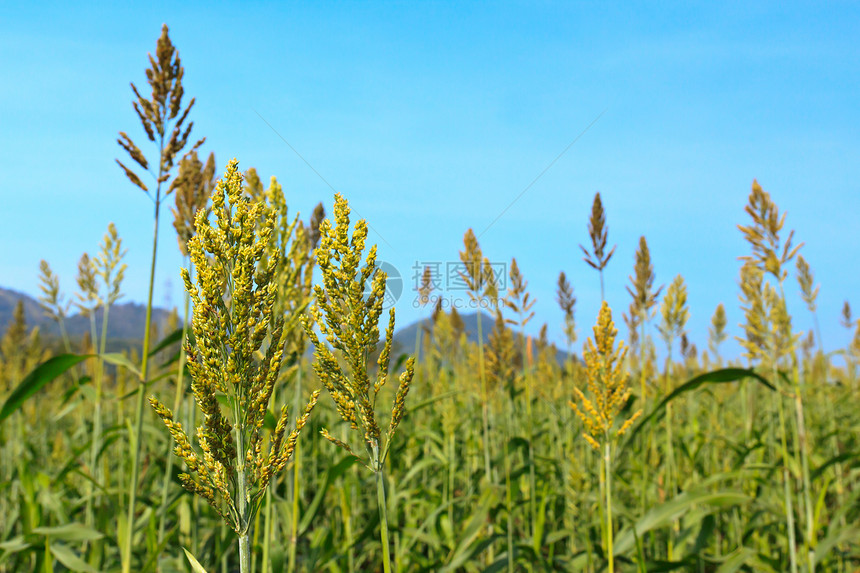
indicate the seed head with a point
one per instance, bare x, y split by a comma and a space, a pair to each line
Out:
606, 383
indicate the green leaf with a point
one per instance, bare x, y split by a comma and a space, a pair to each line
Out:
69, 532
736, 560
470, 542
332, 474
665, 513
195, 565
36, 380
722, 376
430, 401
171, 338
816, 473
120, 360
834, 537
14, 545
68, 558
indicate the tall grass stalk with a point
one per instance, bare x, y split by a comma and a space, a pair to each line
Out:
769, 334
607, 394
349, 321
520, 302
674, 318
108, 267
479, 279
163, 119
598, 232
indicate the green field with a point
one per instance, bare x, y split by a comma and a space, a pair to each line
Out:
472, 446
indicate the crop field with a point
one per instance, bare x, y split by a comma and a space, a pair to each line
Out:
273, 423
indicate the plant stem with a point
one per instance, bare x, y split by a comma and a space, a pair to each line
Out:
607, 469
141, 394
485, 418
802, 445
383, 513
509, 501
536, 542
786, 479
297, 462
670, 454
602, 295
242, 495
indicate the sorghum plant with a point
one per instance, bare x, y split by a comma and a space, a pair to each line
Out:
163, 119
232, 319
348, 321
608, 392
567, 301
598, 232
776, 341
644, 296
717, 331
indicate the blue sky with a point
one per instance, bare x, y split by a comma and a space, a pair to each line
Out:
432, 117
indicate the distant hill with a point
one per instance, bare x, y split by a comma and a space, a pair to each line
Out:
32, 311
404, 338
125, 320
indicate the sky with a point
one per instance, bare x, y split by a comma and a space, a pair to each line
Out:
435, 117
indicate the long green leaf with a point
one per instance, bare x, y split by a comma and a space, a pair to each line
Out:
722, 376
834, 537
195, 565
70, 532
816, 473
171, 338
68, 558
736, 560
120, 360
665, 513
332, 474
36, 380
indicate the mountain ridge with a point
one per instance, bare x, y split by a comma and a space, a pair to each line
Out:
126, 322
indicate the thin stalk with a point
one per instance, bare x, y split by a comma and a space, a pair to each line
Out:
243, 494
786, 479
383, 513
144, 380
646, 444
602, 295
267, 530
642, 381
452, 452
267, 512
297, 464
530, 431
601, 507
97, 423
568, 512
347, 495
509, 498
670, 455
802, 445
485, 418
607, 469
